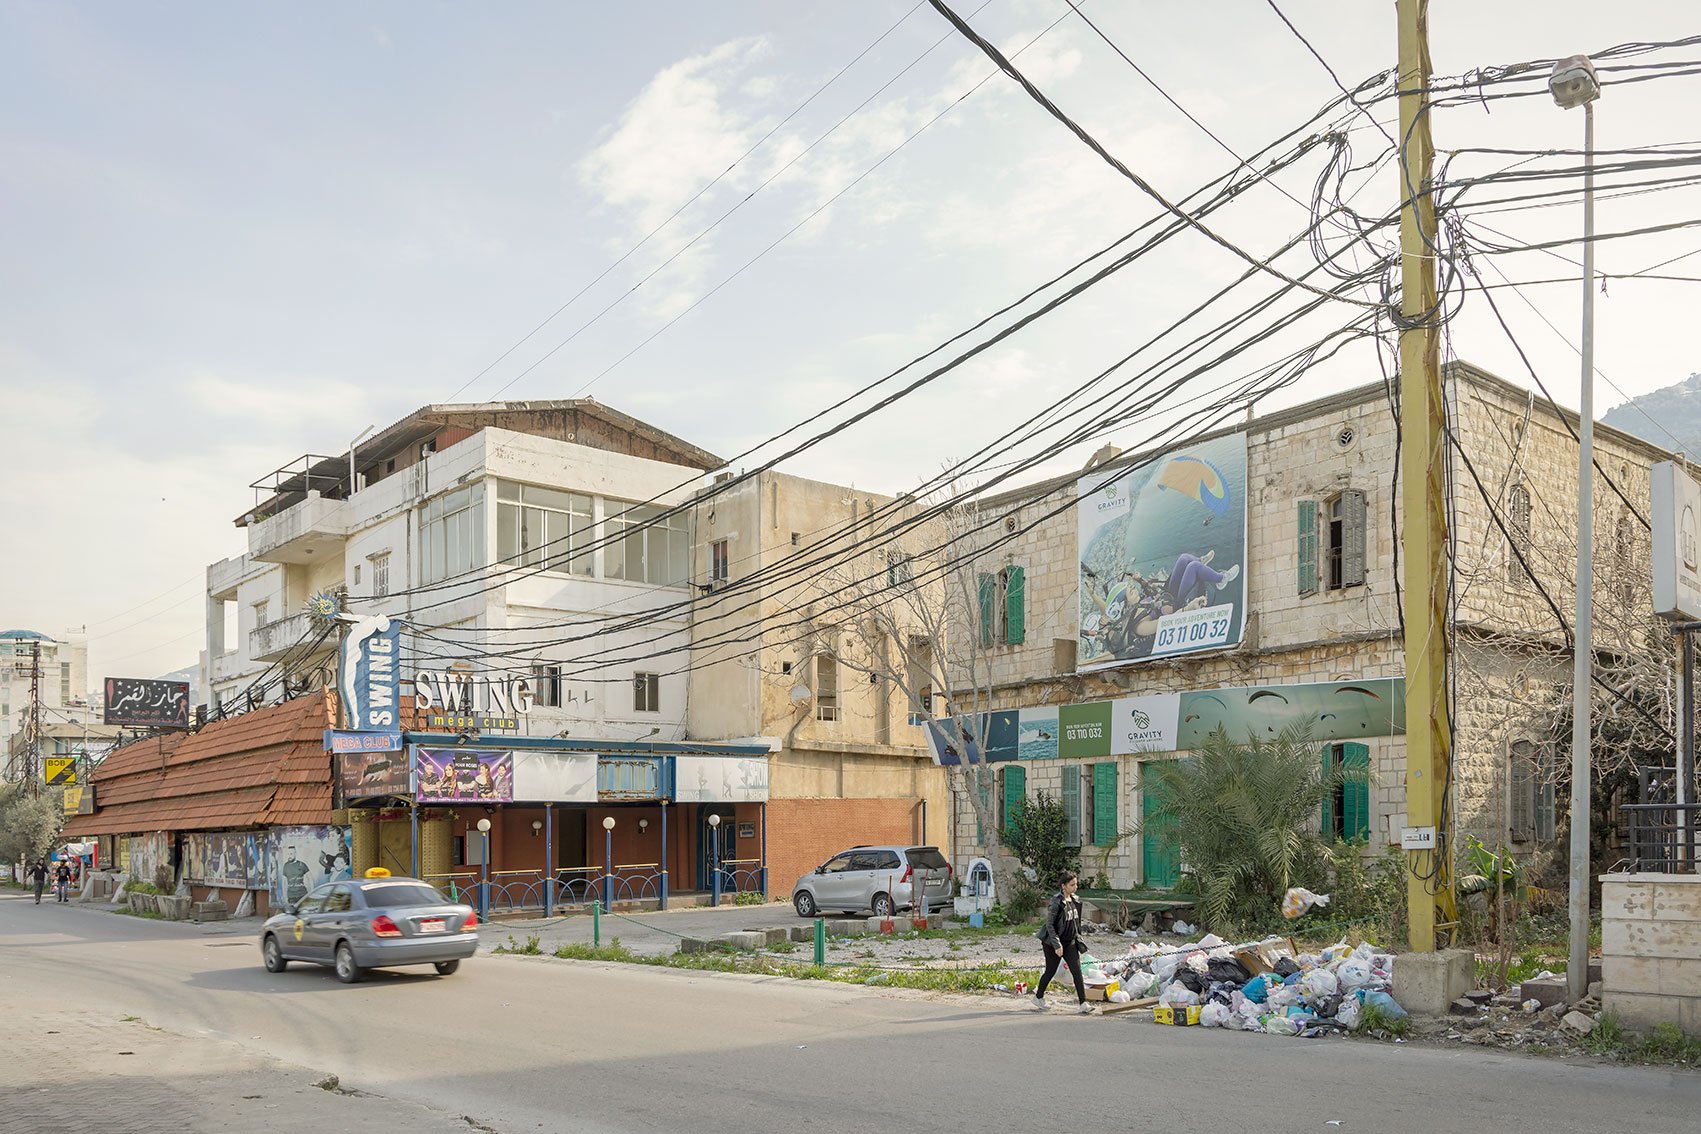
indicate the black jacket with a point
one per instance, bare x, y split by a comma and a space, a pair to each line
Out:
1062, 922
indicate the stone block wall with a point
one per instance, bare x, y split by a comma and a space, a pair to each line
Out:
1651, 949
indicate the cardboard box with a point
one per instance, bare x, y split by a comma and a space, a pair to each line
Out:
1102, 991
1181, 1017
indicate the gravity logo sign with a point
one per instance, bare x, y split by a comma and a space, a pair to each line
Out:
1111, 499
1141, 720
367, 674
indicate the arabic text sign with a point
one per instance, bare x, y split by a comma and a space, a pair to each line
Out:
133, 701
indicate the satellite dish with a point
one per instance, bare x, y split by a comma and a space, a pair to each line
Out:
801, 693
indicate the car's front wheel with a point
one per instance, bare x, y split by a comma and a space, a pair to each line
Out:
348, 971
272, 954
805, 903
882, 905
446, 968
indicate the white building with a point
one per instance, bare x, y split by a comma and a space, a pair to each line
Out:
505, 536
63, 682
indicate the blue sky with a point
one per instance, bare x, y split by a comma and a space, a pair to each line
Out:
238, 233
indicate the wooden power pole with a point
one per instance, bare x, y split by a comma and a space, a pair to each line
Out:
1423, 476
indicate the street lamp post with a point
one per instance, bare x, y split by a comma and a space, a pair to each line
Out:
484, 871
607, 861
714, 860
1574, 84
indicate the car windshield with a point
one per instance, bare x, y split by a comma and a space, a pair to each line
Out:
402, 894
928, 858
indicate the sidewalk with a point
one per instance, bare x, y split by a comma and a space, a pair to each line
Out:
78, 1071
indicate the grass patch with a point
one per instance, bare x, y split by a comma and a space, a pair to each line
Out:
986, 978
531, 947
151, 915
749, 898
1665, 1045
1373, 1021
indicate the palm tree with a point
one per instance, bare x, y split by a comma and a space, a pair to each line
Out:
1244, 818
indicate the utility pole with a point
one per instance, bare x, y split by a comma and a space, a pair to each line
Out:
1423, 477
32, 725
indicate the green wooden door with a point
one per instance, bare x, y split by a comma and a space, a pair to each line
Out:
1163, 866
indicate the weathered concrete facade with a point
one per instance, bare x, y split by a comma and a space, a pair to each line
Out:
1509, 650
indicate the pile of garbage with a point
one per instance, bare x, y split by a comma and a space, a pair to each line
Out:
1259, 986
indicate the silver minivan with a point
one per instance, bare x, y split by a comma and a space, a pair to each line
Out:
878, 879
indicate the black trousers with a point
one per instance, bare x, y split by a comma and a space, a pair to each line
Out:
1071, 957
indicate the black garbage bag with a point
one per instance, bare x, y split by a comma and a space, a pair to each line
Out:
1286, 967
1226, 970
1190, 980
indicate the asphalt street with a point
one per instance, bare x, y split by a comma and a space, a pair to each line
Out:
524, 1044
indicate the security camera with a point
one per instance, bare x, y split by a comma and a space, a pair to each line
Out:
1573, 82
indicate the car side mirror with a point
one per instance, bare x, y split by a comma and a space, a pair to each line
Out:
293, 908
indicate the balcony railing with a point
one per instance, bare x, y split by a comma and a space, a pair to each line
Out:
272, 641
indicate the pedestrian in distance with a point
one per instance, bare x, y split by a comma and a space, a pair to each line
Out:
62, 881
1061, 936
38, 874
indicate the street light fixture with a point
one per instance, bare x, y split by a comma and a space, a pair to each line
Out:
1574, 83
714, 860
484, 872
607, 861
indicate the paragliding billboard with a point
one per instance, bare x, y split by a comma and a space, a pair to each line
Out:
1162, 550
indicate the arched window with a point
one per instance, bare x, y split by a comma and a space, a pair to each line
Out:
1518, 525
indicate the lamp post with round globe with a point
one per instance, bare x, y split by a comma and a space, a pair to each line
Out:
484, 871
714, 860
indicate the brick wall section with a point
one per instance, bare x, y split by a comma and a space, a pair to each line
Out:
804, 833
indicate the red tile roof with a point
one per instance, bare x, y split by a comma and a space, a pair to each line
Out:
264, 767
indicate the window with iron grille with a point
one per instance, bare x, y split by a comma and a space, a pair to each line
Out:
646, 692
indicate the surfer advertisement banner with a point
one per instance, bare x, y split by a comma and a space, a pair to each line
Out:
1162, 548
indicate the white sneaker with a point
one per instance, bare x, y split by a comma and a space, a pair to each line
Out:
1229, 576
1086, 1008
1038, 1004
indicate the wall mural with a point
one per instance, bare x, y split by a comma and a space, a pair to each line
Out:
226, 859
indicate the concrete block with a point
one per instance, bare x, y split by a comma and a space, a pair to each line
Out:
174, 907
772, 935
209, 911
1580, 1022
695, 945
902, 925
1640, 1011
1426, 983
743, 940
848, 927
805, 933
1651, 938
878, 925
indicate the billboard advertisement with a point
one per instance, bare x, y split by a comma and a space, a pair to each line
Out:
300, 858
231, 859
367, 676
720, 779
1161, 551
461, 775
156, 704
365, 775
1676, 505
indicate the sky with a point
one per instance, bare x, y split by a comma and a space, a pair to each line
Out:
235, 234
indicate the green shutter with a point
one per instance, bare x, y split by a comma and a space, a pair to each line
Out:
1355, 793
1015, 606
1353, 532
1308, 547
1071, 805
1015, 792
1326, 827
988, 598
1104, 804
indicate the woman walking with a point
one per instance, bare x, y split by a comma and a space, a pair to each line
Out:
1061, 937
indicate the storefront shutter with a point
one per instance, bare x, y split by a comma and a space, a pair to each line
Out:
1308, 547
1104, 804
1015, 605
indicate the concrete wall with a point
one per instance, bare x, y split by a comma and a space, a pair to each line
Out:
1651, 949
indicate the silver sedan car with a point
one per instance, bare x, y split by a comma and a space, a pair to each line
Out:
371, 923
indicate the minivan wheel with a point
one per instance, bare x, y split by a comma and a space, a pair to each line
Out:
882, 905
347, 970
805, 904
272, 955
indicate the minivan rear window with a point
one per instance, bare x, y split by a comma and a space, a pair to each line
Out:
928, 858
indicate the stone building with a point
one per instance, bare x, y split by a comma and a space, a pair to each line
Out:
1319, 622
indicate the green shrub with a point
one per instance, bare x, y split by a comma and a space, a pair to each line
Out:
1035, 834
749, 898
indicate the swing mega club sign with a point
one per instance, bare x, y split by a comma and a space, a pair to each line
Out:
1161, 549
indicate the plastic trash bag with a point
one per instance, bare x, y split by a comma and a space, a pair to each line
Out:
1347, 1014
1183, 929
1176, 995
1165, 966
1283, 998
1317, 986
1211, 941
1256, 989
1120, 997
1280, 1026
1386, 1004
1353, 975
1215, 1016
1297, 901
1198, 962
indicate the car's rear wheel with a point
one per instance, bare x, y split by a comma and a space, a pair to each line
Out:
882, 905
446, 968
347, 970
805, 903
272, 954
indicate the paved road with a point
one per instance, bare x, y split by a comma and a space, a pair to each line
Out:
528, 1044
